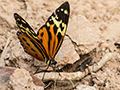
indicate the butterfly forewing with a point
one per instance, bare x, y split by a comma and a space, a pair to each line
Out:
23, 25
29, 39
52, 33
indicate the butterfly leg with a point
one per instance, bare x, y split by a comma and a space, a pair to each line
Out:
44, 73
38, 68
37, 71
58, 70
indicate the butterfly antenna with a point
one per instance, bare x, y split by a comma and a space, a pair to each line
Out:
45, 72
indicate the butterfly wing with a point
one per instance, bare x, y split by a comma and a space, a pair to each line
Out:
29, 39
52, 33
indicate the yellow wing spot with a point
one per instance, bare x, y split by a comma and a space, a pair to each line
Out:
50, 19
20, 25
63, 25
56, 22
65, 12
18, 19
23, 21
59, 30
62, 9
36, 37
57, 10
48, 24
58, 25
22, 30
30, 30
27, 29
62, 32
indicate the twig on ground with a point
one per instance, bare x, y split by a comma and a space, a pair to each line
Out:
75, 75
2, 63
51, 82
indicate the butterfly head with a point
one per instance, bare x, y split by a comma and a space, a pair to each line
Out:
53, 63
50, 62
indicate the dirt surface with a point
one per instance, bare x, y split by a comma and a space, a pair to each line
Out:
101, 16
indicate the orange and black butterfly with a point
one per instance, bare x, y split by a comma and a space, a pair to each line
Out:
45, 44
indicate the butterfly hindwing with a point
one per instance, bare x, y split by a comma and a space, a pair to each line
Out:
30, 46
53, 32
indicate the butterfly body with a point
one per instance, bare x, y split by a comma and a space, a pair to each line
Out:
45, 44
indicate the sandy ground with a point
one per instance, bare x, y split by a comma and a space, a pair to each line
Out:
102, 15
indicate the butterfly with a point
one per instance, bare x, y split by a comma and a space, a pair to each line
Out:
46, 43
